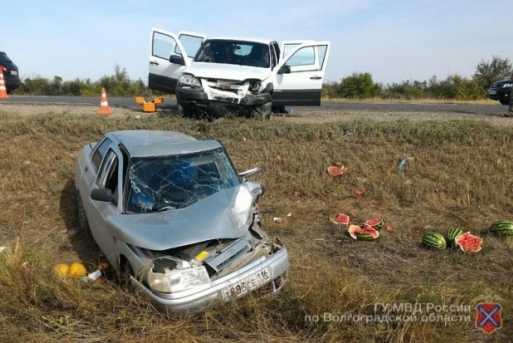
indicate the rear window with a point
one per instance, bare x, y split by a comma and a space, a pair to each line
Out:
4, 58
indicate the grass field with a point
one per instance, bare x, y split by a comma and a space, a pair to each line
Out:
457, 174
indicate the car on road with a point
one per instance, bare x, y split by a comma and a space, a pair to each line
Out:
175, 220
501, 90
10, 72
245, 75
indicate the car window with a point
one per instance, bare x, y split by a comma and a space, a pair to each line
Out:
100, 152
169, 182
163, 46
308, 58
234, 52
108, 175
191, 44
4, 58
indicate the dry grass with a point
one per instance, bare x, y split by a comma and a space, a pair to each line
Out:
458, 174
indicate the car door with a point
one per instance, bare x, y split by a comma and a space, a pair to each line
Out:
110, 175
290, 45
163, 73
299, 75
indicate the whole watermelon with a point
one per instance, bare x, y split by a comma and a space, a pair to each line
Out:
502, 228
452, 234
434, 240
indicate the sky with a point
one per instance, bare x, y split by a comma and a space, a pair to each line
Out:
393, 40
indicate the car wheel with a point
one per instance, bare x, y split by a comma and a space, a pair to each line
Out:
125, 272
263, 111
82, 217
504, 101
185, 113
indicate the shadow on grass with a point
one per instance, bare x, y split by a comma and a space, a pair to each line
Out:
82, 242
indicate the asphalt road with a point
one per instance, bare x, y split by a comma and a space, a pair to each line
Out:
492, 109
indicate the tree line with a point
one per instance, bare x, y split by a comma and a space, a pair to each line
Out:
362, 86
355, 86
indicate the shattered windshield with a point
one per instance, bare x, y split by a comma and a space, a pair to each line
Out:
170, 182
234, 52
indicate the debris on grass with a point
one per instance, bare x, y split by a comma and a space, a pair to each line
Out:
336, 171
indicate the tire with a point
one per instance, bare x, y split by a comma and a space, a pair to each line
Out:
125, 271
504, 101
82, 216
185, 113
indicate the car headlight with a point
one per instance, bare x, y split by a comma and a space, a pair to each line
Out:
188, 80
241, 209
254, 86
177, 280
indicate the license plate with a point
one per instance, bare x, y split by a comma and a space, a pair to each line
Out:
226, 99
492, 92
247, 285
14, 72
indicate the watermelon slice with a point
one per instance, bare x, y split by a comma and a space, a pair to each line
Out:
336, 171
469, 243
375, 223
342, 219
367, 233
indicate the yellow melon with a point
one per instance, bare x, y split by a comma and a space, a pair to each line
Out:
77, 270
61, 269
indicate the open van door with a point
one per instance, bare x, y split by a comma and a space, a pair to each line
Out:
299, 75
169, 56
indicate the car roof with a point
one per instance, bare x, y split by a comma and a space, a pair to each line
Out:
245, 39
147, 143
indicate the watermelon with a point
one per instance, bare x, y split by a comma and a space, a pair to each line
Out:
502, 228
452, 234
376, 223
434, 240
336, 171
469, 243
342, 219
364, 234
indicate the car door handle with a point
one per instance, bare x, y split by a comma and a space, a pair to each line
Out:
86, 169
315, 78
154, 63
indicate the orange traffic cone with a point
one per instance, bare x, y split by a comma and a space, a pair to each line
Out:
3, 90
104, 105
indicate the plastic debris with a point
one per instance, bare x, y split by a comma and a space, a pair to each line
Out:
277, 220
358, 192
289, 215
2, 249
92, 276
336, 171
401, 163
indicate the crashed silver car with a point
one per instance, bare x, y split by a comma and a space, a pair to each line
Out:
175, 220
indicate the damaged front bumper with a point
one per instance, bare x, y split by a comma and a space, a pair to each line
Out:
198, 100
271, 271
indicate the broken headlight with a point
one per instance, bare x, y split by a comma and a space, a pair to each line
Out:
188, 81
177, 280
241, 208
254, 86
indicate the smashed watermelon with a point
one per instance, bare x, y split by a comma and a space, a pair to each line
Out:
469, 243
376, 223
336, 171
367, 233
342, 219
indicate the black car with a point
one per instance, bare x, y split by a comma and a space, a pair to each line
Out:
10, 71
501, 91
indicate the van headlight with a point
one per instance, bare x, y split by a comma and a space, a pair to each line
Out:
188, 81
177, 280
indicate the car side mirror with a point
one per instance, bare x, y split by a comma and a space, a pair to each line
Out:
250, 172
177, 59
284, 70
101, 194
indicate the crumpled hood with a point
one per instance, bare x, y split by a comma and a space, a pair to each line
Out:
207, 219
227, 71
